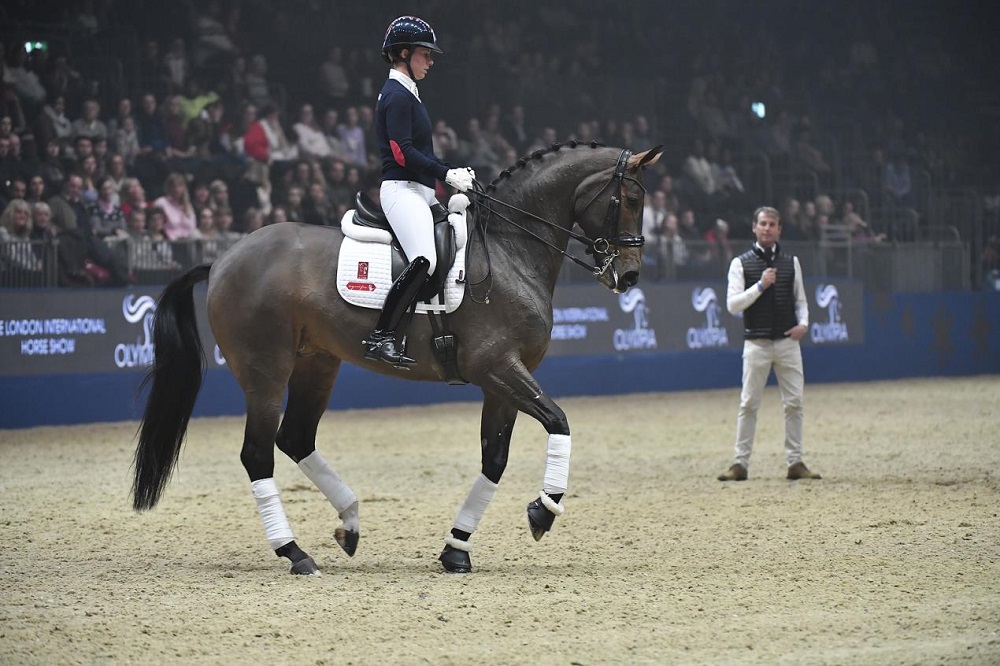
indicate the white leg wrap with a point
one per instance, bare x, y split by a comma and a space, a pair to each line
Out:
324, 477
276, 527
557, 465
458, 544
472, 510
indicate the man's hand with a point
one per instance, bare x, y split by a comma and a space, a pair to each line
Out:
768, 277
796, 332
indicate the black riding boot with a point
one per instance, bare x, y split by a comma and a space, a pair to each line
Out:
381, 343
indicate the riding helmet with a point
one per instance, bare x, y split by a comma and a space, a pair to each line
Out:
408, 31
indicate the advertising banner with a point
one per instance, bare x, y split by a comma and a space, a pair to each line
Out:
589, 319
109, 331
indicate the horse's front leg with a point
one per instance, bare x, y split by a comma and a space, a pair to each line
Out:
496, 427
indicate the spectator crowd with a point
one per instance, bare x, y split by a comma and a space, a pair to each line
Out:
229, 115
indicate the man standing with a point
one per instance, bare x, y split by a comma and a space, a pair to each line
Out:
775, 317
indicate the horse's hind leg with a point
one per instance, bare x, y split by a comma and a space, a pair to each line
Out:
308, 395
495, 430
263, 412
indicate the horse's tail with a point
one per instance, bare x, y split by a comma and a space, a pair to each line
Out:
174, 380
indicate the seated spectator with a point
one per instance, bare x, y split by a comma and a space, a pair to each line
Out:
106, 216
224, 224
316, 209
125, 141
176, 66
201, 196
15, 238
115, 170
88, 173
258, 86
132, 196
124, 112
353, 136
82, 246
152, 250
294, 211
90, 125
898, 183
278, 215
218, 194
176, 206
808, 155
445, 140
253, 219
333, 80
331, 121
151, 132
42, 229
311, 141
212, 44
25, 82
52, 167
52, 123
337, 191
719, 248
265, 144
180, 152
36, 191
861, 233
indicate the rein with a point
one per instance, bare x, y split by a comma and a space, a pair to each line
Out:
608, 247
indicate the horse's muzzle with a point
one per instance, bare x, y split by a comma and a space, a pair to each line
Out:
627, 280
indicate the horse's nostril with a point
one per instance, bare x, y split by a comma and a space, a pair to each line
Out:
629, 279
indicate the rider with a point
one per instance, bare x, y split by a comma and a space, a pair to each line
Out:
409, 171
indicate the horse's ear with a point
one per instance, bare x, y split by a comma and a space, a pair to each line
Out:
645, 159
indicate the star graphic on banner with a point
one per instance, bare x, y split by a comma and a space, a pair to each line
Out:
943, 344
981, 332
882, 307
906, 322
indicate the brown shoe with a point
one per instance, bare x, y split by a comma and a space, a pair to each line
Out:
800, 471
734, 473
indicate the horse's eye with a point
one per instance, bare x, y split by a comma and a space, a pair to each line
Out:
632, 200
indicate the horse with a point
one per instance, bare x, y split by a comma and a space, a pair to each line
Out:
280, 324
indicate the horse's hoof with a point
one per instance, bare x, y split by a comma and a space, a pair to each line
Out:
306, 567
540, 519
455, 560
347, 539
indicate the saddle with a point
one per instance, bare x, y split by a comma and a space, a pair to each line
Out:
367, 214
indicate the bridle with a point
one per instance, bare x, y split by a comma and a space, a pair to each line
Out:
612, 219
604, 248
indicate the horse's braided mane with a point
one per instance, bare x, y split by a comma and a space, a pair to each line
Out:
537, 155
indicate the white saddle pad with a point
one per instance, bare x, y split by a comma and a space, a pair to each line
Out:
364, 273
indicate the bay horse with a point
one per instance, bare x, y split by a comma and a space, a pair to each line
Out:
280, 324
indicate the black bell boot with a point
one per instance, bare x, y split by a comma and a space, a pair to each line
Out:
381, 343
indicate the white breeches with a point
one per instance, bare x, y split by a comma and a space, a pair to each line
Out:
407, 207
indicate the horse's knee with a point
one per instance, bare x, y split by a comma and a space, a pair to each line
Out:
258, 464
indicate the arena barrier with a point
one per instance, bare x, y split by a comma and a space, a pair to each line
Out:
78, 356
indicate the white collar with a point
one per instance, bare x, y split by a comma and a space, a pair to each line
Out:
406, 81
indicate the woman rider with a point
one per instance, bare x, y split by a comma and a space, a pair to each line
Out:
409, 172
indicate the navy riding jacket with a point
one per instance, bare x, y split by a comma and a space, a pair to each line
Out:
403, 131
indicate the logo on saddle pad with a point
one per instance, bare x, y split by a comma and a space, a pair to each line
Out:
362, 275
364, 271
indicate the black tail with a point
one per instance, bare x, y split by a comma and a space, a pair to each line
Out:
175, 379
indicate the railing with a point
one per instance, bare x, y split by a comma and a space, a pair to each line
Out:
939, 264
